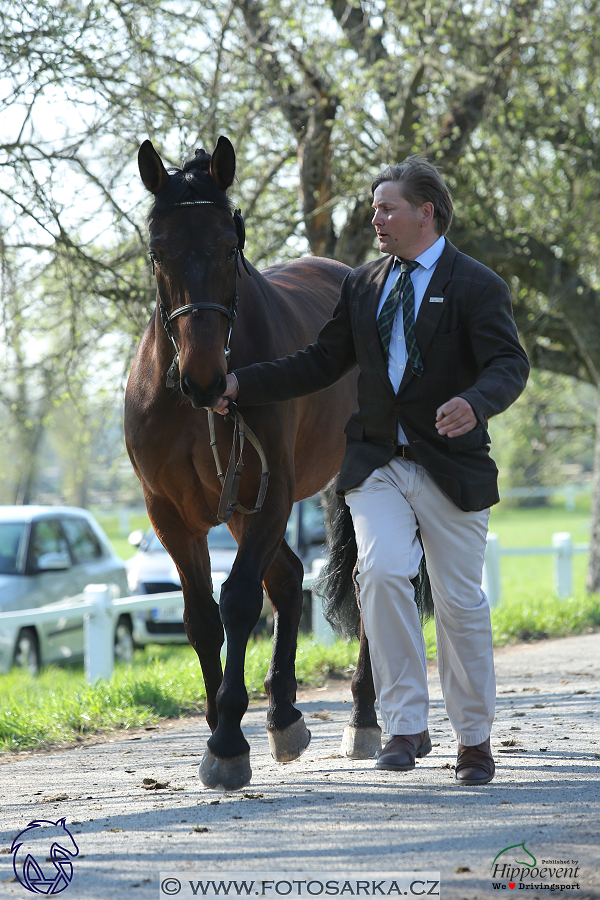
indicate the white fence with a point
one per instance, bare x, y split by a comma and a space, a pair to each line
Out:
562, 549
100, 611
100, 614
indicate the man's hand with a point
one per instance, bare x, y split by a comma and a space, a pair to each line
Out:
455, 417
231, 391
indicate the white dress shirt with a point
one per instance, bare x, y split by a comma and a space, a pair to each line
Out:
420, 278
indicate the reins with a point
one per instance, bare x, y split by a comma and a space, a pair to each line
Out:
230, 480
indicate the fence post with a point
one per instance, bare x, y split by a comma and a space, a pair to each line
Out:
491, 582
570, 497
124, 522
562, 543
321, 629
98, 633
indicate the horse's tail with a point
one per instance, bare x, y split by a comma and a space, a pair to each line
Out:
337, 581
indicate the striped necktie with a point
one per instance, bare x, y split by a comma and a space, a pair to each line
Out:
402, 292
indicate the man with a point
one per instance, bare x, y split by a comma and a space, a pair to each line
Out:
433, 334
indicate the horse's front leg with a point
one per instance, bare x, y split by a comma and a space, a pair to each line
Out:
288, 735
226, 763
201, 614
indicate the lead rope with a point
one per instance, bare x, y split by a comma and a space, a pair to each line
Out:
230, 480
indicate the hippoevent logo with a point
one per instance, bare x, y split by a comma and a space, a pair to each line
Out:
42, 855
516, 868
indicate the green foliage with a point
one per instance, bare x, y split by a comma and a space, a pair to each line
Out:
536, 617
552, 425
316, 96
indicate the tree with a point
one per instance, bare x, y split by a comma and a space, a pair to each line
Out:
317, 96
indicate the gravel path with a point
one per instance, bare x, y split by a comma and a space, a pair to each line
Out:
327, 814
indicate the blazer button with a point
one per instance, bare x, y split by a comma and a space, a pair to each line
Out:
398, 407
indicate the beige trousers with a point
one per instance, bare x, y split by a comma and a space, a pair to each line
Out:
386, 510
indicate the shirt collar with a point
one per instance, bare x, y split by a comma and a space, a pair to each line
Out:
429, 257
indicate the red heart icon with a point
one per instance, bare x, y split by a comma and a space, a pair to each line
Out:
512, 884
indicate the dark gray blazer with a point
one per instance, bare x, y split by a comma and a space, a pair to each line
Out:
469, 346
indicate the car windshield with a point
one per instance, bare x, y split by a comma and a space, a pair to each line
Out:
11, 540
152, 543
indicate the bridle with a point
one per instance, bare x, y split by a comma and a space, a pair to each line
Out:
194, 308
230, 480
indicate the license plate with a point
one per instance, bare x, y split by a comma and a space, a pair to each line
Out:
168, 614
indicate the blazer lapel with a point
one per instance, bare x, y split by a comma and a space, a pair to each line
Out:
430, 313
367, 318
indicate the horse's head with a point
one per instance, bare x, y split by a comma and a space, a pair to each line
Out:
194, 247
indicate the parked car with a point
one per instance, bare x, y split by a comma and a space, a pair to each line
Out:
152, 571
47, 557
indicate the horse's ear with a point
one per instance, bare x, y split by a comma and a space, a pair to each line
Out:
153, 173
222, 164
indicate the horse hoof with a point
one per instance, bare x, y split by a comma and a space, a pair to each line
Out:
225, 774
289, 743
361, 743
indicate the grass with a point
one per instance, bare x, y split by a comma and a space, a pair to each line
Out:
58, 705
528, 578
167, 681
115, 530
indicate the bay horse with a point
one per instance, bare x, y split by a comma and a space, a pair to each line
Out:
196, 245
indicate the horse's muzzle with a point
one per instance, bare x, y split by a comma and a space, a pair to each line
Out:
203, 396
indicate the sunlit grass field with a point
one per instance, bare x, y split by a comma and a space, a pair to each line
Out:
167, 681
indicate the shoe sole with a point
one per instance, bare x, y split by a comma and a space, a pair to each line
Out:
474, 781
421, 752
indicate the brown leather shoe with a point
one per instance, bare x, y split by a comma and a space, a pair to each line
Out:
474, 765
399, 753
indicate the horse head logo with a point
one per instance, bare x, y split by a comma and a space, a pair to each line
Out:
40, 843
513, 852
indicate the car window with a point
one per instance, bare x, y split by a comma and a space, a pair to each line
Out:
11, 538
85, 546
47, 537
220, 538
313, 523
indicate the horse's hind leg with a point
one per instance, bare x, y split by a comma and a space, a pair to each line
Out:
362, 735
288, 735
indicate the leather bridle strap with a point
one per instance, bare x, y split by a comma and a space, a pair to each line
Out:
230, 480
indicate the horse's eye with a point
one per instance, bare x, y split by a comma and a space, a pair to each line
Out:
232, 252
154, 259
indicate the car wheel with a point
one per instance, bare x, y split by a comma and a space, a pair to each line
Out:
27, 651
123, 640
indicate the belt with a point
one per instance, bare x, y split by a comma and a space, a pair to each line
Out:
405, 452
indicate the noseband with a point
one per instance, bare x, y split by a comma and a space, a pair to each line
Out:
194, 308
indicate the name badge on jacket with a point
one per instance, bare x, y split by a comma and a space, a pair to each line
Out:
436, 299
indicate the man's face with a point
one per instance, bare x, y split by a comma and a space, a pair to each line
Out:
399, 226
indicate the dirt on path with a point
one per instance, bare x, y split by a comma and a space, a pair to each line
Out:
328, 814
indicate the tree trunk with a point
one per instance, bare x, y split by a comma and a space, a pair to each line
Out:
29, 470
593, 574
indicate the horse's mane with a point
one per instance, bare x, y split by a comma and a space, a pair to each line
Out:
192, 182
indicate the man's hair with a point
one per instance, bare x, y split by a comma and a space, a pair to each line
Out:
420, 182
